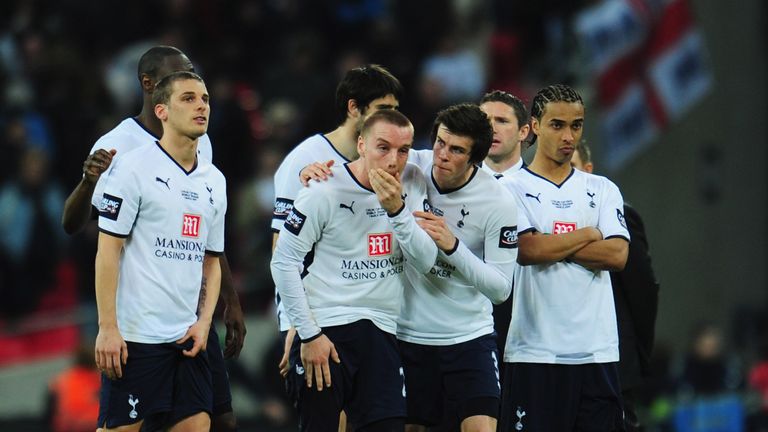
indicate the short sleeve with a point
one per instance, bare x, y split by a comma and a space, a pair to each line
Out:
120, 200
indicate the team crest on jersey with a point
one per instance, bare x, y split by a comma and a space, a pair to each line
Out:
563, 227
109, 207
620, 217
508, 237
294, 222
283, 206
190, 226
379, 244
432, 209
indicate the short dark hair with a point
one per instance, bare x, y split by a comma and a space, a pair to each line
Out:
152, 60
164, 87
364, 84
521, 112
553, 93
585, 153
470, 121
386, 116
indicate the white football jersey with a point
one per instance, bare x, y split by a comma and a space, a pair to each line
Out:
360, 253
564, 313
316, 148
508, 172
170, 219
130, 135
452, 302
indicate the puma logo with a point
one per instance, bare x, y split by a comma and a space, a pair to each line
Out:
165, 182
348, 207
536, 197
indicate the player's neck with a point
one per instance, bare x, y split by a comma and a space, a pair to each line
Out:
358, 171
181, 148
344, 139
551, 170
149, 120
501, 165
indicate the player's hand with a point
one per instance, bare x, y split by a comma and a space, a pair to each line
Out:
284, 364
316, 171
199, 334
314, 356
388, 189
436, 227
111, 352
98, 162
235, 337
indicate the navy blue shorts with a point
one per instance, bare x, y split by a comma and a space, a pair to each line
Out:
368, 384
554, 397
222, 394
159, 385
447, 384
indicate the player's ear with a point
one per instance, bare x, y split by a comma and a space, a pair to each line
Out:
352, 109
522, 133
147, 84
535, 125
588, 167
361, 146
161, 111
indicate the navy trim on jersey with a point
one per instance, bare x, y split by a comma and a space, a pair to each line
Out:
531, 229
113, 234
453, 249
145, 129
617, 236
400, 210
447, 191
194, 167
573, 170
214, 253
334, 148
355, 178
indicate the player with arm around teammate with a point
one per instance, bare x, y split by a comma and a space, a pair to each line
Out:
157, 242
345, 308
562, 346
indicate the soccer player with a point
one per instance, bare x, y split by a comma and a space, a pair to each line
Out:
446, 329
345, 308
363, 90
509, 119
81, 205
636, 294
562, 346
161, 222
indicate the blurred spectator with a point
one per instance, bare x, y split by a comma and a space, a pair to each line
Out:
30, 238
73, 395
707, 371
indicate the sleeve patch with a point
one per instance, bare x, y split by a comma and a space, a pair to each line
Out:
283, 206
620, 217
109, 207
295, 221
508, 237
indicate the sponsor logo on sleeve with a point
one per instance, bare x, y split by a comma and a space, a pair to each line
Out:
379, 244
508, 237
109, 207
283, 206
563, 227
620, 217
294, 222
190, 226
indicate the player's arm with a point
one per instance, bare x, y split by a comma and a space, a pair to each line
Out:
233, 312
537, 248
418, 247
209, 295
77, 208
609, 254
111, 350
299, 234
